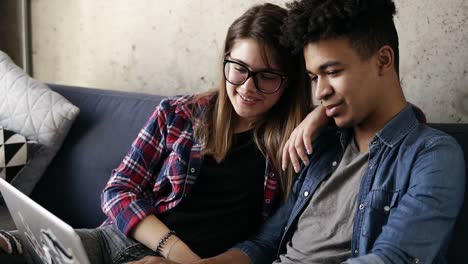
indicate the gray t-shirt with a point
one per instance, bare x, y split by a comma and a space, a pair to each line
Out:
325, 227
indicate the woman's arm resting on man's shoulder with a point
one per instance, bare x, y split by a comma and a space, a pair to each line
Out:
299, 144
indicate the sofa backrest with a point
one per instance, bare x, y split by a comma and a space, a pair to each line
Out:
108, 123
101, 136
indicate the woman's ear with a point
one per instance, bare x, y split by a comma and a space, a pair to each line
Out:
385, 59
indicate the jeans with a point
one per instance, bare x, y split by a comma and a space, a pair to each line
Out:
105, 244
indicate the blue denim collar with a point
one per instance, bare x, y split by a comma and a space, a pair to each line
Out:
398, 127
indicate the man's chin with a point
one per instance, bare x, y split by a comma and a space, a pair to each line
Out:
342, 123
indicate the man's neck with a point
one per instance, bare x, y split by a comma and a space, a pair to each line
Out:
366, 131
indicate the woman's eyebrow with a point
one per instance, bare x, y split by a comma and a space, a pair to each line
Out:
239, 61
250, 68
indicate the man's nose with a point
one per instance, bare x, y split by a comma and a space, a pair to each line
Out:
323, 89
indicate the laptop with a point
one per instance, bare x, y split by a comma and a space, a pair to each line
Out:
46, 238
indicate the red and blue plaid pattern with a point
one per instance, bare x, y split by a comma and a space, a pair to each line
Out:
161, 168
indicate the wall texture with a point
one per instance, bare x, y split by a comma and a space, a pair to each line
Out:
434, 56
173, 47
9, 30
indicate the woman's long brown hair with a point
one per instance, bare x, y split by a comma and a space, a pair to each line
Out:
214, 126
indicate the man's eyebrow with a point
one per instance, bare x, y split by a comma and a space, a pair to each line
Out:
329, 64
325, 66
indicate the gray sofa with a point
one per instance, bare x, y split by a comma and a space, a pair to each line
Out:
97, 142
101, 136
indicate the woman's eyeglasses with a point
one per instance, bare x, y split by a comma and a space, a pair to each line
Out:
266, 81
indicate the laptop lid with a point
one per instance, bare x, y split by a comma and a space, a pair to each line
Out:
46, 238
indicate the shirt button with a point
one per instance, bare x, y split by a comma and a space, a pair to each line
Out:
334, 163
386, 208
361, 206
306, 194
192, 170
416, 260
356, 251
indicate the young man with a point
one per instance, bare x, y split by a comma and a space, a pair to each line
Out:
381, 187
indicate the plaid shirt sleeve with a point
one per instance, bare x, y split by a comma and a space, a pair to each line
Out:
154, 175
128, 196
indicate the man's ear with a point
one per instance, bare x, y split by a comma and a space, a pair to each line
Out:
385, 59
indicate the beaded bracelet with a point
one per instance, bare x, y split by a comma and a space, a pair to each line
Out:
163, 241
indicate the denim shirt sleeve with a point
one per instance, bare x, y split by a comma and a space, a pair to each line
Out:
420, 226
263, 247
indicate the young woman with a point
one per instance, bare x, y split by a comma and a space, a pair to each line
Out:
205, 170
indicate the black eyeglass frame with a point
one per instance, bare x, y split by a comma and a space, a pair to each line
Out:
253, 74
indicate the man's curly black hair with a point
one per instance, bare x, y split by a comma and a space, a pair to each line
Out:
368, 24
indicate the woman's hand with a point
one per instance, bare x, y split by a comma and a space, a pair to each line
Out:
180, 252
299, 144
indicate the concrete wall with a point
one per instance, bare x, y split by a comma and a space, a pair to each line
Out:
10, 42
434, 56
172, 47
154, 46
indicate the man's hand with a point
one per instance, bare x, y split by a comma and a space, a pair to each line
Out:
153, 260
234, 256
299, 144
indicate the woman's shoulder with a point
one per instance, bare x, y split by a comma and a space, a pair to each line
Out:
178, 105
185, 105
175, 102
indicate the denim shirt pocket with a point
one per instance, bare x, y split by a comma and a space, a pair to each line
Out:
380, 204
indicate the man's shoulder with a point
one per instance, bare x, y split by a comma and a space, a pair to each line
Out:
426, 135
425, 142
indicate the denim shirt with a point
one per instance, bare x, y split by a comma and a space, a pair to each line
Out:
408, 201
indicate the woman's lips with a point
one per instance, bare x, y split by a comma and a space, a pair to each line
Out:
248, 100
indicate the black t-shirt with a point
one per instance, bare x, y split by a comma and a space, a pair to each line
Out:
225, 203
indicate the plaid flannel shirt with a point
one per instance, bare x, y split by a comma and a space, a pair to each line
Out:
161, 168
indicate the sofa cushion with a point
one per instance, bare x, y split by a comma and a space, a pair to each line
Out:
102, 134
15, 151
30, 108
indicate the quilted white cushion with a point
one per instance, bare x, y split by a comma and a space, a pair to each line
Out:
30, 108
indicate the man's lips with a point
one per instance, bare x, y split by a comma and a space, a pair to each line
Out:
333, 109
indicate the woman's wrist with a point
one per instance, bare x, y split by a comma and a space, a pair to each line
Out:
180, 252
162, 246
165, 251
